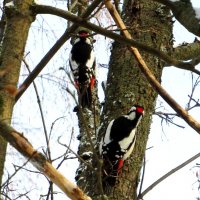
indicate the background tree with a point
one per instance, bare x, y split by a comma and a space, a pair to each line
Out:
10, 61
150, 25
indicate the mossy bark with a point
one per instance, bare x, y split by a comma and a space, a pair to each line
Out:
149, 23
86, 174
18, 21
88, 118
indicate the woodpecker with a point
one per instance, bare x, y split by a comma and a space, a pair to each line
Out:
118, 143
83, 65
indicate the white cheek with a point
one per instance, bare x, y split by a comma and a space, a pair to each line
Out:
88, 41
76, 40
133, 115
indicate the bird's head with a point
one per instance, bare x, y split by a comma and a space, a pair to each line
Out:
83, 35
136, 110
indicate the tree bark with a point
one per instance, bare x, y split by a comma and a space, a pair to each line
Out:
88, 122
184, 12
18, 21
149, 24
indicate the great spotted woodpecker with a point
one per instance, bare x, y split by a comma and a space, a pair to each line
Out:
118, 143
83, 65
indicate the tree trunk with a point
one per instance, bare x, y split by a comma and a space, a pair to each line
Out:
18, 21
88, 119
148, 23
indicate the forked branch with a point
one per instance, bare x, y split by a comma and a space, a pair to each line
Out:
185, 13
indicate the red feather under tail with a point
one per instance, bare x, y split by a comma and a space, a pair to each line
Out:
120, 165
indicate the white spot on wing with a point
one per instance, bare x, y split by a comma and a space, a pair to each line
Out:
107, 138
73, 63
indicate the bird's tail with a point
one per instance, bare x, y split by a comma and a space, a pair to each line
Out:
111, 172
86, 96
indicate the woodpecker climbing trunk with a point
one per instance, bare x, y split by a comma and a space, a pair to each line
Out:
88, 118
148, 23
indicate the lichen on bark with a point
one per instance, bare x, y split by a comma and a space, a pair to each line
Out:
148, 23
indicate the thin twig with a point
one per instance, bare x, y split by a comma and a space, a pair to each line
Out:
40, 162
52, 125
41, 113
194, 86
168, 118
142, 176
79, 157
98, 10
67, 151
168, 174
10, 177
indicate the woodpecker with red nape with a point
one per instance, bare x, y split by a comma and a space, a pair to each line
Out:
118, 143
83, 65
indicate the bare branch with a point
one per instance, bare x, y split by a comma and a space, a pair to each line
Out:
73, 5
168, 174
168, 118
194, 86
41, 113
79, 157
142, 176
187, 51
19, 142
10, 177
148, 74
40, 9
184, 13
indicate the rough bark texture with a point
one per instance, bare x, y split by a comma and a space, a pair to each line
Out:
187, 51
150, 24
18, 21
183, 11
86, 175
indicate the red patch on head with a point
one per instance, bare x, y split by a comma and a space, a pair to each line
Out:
140, 109
83, 33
